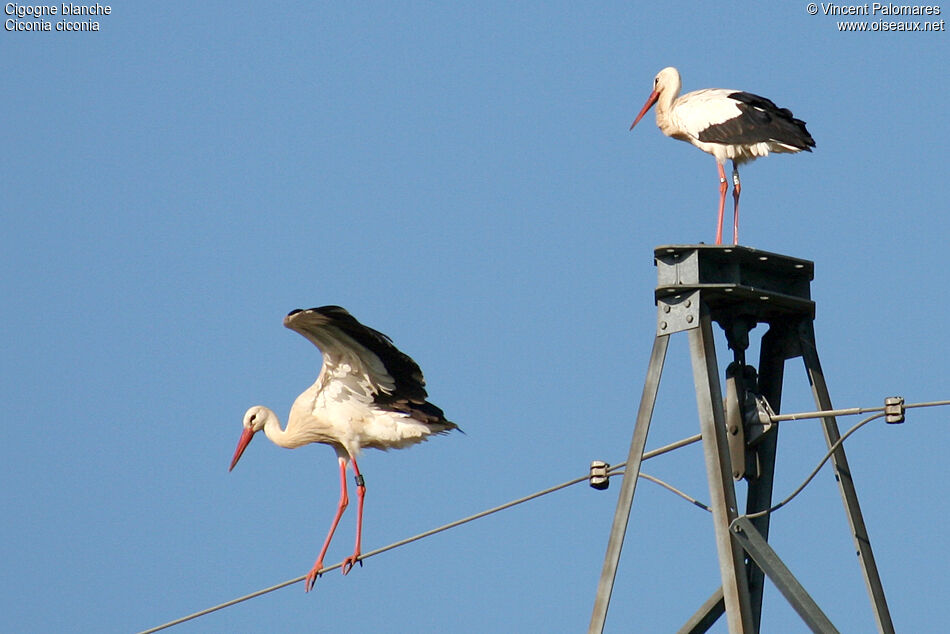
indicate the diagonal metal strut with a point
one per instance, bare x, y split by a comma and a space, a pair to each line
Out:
781, 576
628, 485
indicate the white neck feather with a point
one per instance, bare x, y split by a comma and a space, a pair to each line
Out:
280, 437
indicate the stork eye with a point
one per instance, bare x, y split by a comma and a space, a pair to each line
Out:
251, 419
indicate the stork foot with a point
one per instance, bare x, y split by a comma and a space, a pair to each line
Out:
312, 576
351, 561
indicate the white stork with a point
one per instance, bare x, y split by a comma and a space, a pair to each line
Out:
368, 394
729, 124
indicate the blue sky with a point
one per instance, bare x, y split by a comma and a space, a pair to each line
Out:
461, 177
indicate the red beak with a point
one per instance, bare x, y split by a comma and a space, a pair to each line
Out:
649, 104
245, 440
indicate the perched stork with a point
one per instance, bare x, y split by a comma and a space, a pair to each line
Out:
729, 124
368, 394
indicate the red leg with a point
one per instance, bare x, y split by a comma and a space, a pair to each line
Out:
341, 506
349, 562
723, 188
736, 188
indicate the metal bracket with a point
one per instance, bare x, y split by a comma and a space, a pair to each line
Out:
735, 428
759, 420
748, 419
677, 313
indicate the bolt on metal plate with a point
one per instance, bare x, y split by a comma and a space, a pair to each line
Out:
676, 313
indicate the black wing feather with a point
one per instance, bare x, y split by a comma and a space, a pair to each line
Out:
760, 121
409, 394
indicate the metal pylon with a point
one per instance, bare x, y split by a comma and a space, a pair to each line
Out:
739, 288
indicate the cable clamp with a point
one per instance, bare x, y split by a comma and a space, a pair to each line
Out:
894, 409
598, 475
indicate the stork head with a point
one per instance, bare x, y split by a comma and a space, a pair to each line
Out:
667, 81
254, 420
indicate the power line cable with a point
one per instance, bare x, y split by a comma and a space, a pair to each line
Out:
668, 487
814, 472
834, 447
408, 540
850, 411
613, 470
372, 553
